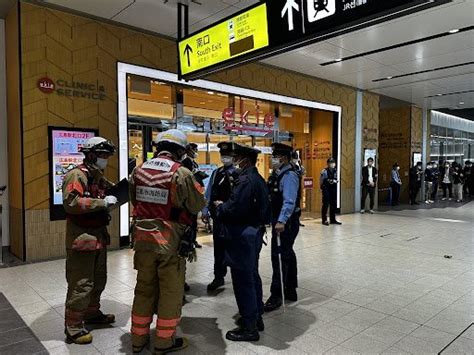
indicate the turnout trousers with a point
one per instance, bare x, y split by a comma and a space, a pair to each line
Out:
86, 276
160, 290
288, 258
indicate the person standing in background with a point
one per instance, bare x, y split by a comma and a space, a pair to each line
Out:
458, 181
416, 174
395, 184
429, 177
468, 179
447, 181
435, 173
328, 184
369, 183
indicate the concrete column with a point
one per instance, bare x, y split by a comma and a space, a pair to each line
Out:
358, 150
424, 148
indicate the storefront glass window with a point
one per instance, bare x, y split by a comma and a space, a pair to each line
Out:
451, 145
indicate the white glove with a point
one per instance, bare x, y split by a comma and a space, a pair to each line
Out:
110, 201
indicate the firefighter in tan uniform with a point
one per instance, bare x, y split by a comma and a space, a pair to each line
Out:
87, 206
165, 197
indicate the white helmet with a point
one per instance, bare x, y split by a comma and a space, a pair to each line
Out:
98, 145
173, 136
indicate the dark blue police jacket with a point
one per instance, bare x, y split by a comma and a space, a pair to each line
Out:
243, 217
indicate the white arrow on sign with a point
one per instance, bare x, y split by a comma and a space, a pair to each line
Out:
288, 10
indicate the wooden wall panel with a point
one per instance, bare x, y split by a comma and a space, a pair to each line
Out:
15, 169
65, 46
416, 130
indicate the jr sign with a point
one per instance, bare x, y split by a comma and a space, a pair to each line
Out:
276, 26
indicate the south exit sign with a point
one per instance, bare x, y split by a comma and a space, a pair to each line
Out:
278, 26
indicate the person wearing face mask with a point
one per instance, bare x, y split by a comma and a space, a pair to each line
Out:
166, 199
429, 178
458, 182
328, 184
220, 186
87, 206
416, 173
369, 183
285, 190
435, 174
447, 181
468, 177
244, 216
395, 184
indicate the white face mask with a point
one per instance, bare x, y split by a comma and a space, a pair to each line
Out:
183, 157
101, 163
226, 160
276, 163
398, 168
332, 165
435, 166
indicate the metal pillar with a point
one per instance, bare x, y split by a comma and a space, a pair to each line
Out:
358, 150
424, 148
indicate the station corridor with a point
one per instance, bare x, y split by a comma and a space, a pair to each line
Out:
396, 282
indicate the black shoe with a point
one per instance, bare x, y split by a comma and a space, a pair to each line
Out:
326, 223
178, 344
272, 304
336, 222
187, 288
197, 245
242, 334
291, 295
215, 284
260, 324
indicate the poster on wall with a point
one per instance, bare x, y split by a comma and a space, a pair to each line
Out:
64, 156
417, 157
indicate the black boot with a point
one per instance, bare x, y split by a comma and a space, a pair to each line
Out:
243, 334
291, 295
326, 223
215, 284
273, 303
336, 222
178, 344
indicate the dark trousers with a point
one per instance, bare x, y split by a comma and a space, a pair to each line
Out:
434, 192
395, 193
414, 189
220, 270
368, 190
248, 292
288, 258
446, 188
329, 202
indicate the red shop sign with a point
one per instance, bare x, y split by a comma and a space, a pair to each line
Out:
308, 183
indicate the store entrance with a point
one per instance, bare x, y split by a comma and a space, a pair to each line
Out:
209, 117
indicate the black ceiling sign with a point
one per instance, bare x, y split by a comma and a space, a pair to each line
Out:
296, 23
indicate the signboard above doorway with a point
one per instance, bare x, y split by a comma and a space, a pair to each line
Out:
275, 26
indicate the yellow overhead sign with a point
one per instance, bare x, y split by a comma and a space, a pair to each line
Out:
241, 34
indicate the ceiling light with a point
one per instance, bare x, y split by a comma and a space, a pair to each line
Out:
455, 30
461, 103
389, 77
202, 103
439, 94
210, 92
166, 97
338, 60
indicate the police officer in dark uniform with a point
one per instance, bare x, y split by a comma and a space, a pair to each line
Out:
219, 189
244, 217
285, 187
328, 184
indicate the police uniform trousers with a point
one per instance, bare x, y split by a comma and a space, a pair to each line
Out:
86, 274
329, 202
160, 290
242, 255
288, 257
220, 269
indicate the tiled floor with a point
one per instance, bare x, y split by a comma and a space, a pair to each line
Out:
377, 284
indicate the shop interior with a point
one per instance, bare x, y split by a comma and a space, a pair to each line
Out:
210, 117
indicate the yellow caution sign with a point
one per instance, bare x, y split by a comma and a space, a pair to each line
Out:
241, 34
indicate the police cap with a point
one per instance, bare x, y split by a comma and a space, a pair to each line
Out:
280, 149
226, 148
244, 150
331, 160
